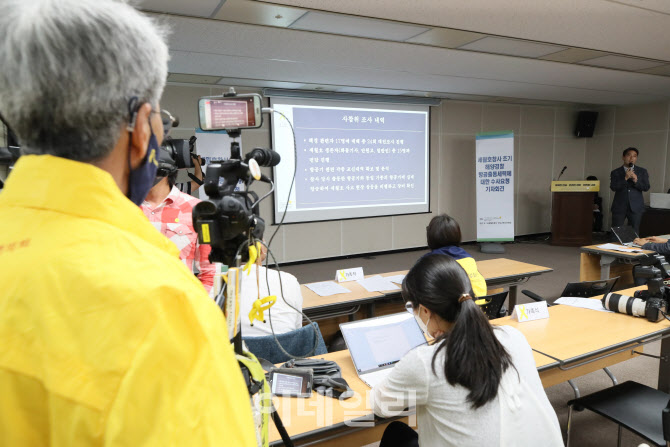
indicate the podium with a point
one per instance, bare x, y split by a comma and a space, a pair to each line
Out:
572, 212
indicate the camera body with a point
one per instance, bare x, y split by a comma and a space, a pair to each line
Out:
229, 217
175, 154
650, 307
651, 303
230, 220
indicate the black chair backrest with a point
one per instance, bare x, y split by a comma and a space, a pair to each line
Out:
587, 289
491, 304
298, 342
666, 423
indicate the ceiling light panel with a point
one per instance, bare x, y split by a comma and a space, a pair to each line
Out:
260, 83
663, 70
374, 91
193, 79
511, 47
622, 62
573, 55
192, 8
245, 11
356, 26
447, 38
661, 6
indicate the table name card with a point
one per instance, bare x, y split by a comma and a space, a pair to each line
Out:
530, 311
345, 275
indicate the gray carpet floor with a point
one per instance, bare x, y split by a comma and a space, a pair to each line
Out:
588, 428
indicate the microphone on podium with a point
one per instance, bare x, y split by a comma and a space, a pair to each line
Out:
562, 171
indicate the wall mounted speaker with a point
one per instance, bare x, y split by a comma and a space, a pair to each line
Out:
586, 124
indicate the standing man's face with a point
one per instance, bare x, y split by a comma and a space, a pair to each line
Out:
630, 157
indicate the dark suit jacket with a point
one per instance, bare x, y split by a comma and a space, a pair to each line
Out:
626, 192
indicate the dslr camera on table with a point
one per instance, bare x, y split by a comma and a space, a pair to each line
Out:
651, 303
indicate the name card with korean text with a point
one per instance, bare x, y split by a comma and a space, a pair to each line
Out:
530, 311
346, 275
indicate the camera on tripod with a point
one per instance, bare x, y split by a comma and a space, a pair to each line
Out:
651, 303
230, 218
175, 154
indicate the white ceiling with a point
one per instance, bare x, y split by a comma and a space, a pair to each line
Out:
262, 46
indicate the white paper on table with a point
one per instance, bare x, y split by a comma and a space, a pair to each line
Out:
620, 248
327, 288
377, 283
395, 279
584, 303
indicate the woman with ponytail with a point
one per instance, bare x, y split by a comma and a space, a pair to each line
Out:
475, 385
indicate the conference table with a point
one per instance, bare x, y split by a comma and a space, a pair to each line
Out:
498, 273
598, 263
570, 343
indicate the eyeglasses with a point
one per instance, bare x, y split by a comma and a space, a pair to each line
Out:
168, 120
409, 307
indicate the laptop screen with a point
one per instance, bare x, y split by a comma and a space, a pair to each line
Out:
625, 234
376, 343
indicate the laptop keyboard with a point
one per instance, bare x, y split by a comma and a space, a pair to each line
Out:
373, 378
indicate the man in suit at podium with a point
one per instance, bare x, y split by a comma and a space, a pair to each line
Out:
628, 182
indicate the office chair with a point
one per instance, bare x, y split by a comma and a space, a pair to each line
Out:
298, 342
492, 305
583, 289
639, 408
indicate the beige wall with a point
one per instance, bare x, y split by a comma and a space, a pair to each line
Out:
644, 127
544, 143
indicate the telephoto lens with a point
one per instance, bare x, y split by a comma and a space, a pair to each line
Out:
651, 308
625, 304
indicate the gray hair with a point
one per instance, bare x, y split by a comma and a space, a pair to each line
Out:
69, 69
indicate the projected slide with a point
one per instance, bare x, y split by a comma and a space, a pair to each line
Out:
353, 160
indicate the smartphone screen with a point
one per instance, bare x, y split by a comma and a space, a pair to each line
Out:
237, 112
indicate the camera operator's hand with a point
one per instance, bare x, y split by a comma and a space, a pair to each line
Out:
657, 240
197, 164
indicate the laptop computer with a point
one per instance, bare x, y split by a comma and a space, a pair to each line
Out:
377, 344
626, 235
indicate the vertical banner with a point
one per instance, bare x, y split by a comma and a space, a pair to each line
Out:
495, 186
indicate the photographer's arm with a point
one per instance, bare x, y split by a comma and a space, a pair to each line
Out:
198, 172
207, 269
662, 248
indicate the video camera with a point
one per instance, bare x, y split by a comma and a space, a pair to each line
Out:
230, 219
175, 154
651, 303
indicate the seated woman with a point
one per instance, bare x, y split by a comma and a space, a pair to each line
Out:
444, 237
476, 385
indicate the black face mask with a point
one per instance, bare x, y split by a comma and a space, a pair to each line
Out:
141, 180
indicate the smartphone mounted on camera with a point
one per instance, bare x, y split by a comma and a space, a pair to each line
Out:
234, 112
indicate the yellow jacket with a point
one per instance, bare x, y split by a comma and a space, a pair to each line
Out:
106, 339
476, 279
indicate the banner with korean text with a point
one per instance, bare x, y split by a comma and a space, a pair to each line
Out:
495, 186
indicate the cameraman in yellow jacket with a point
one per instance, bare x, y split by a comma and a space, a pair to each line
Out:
106, 338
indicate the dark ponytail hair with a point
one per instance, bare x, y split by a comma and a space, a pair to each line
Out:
474, 357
